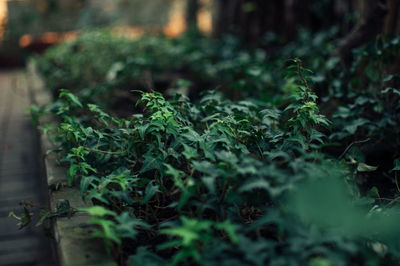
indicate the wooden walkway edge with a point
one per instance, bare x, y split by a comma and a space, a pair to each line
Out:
20, 175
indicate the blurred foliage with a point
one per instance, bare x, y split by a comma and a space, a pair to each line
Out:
100, 63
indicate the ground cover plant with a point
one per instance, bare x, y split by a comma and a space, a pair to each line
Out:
249, 173
98, 63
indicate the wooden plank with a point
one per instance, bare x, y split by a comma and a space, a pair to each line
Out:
19, 176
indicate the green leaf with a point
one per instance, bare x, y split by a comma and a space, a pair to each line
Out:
71, 173
227, 156
86, 182
145, 257
127, 225
362, 167
98, 211
71, 97
151, 162
108, 231
373, 193
189, 152
354, 125
84, 167
101, 115
396, 165
230, 229
142, 130
176, 174
151, 190
319, 261
204, 167
192, 135
255, 184
372, 72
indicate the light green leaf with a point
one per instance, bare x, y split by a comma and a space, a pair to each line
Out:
98, 211
189, 152
362, 167
396, 165
71, 97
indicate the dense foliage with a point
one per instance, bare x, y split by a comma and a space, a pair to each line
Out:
224, 178
98, 64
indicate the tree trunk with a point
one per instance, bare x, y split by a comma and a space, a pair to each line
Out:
224, 16
191, 14
392, 25
296, 15
371, 24
250, 19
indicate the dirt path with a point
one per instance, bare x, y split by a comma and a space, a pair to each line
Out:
20, 177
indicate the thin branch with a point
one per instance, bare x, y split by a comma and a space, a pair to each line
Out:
351, 145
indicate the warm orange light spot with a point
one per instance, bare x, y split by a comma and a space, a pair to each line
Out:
50, 37
47, 38
175, 26
25, 40
177, 20
129, 32
204, 17
3, 17
70, 36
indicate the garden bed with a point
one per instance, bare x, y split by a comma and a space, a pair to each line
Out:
252, 173
75, 246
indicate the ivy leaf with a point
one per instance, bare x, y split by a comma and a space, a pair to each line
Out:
208, 149
353, 126
127, 224
230, 229
71, 173
101, 115
373, 193
142, 130
98, 195
150, 191
390, 89
204, 167
192, 135
71, 97
85, 167
151, 162
189, 152
98, 211
362, 167
24, 219
86, 182
227, 156
107, 232
396, 165
145, 257
176, 174
255, 184
209, 182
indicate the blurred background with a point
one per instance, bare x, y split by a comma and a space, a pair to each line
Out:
28, 26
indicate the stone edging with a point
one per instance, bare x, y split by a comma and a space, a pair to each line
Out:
74, 245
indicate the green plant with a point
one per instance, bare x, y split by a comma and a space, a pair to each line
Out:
193, 235
218, 164
306, 118
210, 181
